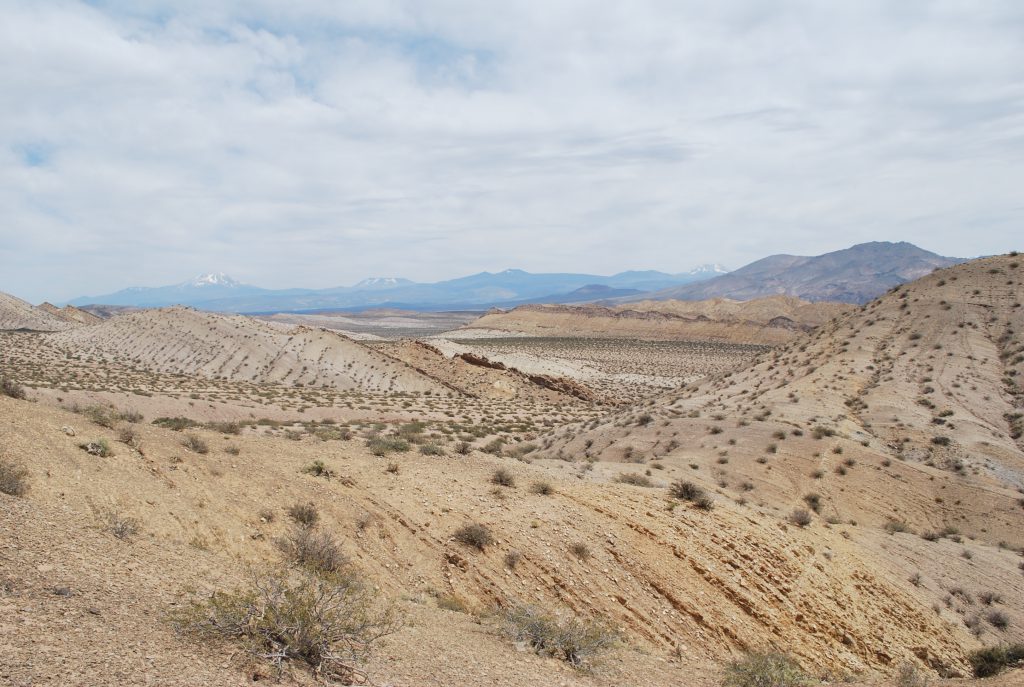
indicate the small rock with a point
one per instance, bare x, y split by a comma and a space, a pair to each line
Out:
68, 430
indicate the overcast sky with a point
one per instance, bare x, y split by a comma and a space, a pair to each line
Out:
313, 143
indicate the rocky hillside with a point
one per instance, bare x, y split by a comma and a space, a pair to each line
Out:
903, 417
852, 275
762, 321
185, 341
18, 314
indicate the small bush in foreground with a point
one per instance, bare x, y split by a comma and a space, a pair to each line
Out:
800, 517
574, 641
9, 387
304, 514
316, 551
381, 446
765, 670
688, 491
13, 478
327, 623
122, 526
474, 535
503, 478
195, 444
542, 488
175, 423
634, 478
318, 469
994, 659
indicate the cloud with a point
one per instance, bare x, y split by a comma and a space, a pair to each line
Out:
315, 143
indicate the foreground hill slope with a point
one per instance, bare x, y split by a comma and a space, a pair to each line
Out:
769, 321
185, 341
693, 586
904, 416
18, 314
852, 275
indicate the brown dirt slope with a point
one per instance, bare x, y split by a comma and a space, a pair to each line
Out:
696, 587
903, 416
18, 314
763, 321
70, 313
190, 342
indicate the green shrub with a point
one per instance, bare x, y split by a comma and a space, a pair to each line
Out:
318, 469
634, 478
994, 659
100, 448
381, 446
688, 491
175, 423
327, 623
765, 670
574, 641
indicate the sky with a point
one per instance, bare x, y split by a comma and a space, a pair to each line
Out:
313, 143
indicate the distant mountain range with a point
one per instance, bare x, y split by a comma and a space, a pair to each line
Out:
219, 292
852, 275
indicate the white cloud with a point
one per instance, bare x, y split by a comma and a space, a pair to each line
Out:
316, 143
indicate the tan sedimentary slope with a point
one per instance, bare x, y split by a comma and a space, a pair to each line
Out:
189, 342
18, 314
904, 413
70, 313
476, 375
762, 321
687, 588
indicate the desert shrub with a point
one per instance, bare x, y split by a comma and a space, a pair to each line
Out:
316, 551
474, 535
542, 488
998, 620
195, 444
503, 478
318, 469
463, 448
381, 446
232, 450
992, 660
635, 479
907, 675
813, 501
765, 670
225, 427
327, 623
393, 468
574, 641
100, 448
121, 526
176, 423
431, 449
688, 491
13, 478
820, 432
580, 550
9, 387
305, 514
894, 526
800, 517
128, 436
512, 559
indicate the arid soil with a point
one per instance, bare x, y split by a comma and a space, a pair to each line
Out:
856, 495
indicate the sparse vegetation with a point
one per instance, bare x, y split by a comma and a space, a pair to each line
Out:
503, 478
542, 488
13, 478
474, 535
304, 514
573, 640
9, 387
195, 443
765, 670
312, 549
634, 478
329, 623
688, 491
993, 660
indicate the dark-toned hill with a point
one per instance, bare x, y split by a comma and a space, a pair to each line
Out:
852, 275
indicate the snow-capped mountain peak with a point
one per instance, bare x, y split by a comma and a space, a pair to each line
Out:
709, 269
212, 279
381, 283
